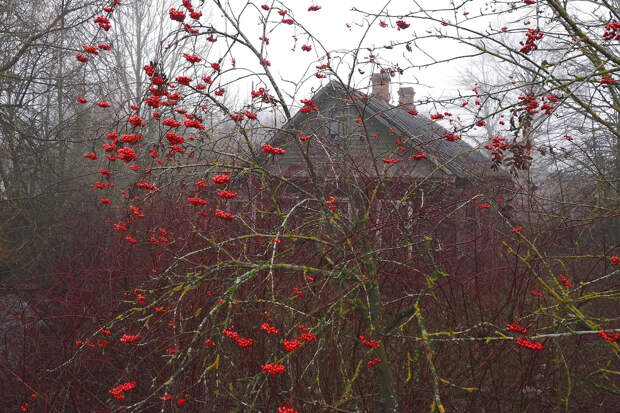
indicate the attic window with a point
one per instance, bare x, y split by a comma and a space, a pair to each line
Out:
336, 122
333, 128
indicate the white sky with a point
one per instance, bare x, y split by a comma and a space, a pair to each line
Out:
329, 26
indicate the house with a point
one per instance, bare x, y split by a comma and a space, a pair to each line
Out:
400, 165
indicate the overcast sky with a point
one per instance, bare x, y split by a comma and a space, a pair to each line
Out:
339, 29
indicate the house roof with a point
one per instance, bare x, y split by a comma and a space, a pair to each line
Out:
456, 158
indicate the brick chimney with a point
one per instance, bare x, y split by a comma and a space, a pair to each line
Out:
381, 86
405, 98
